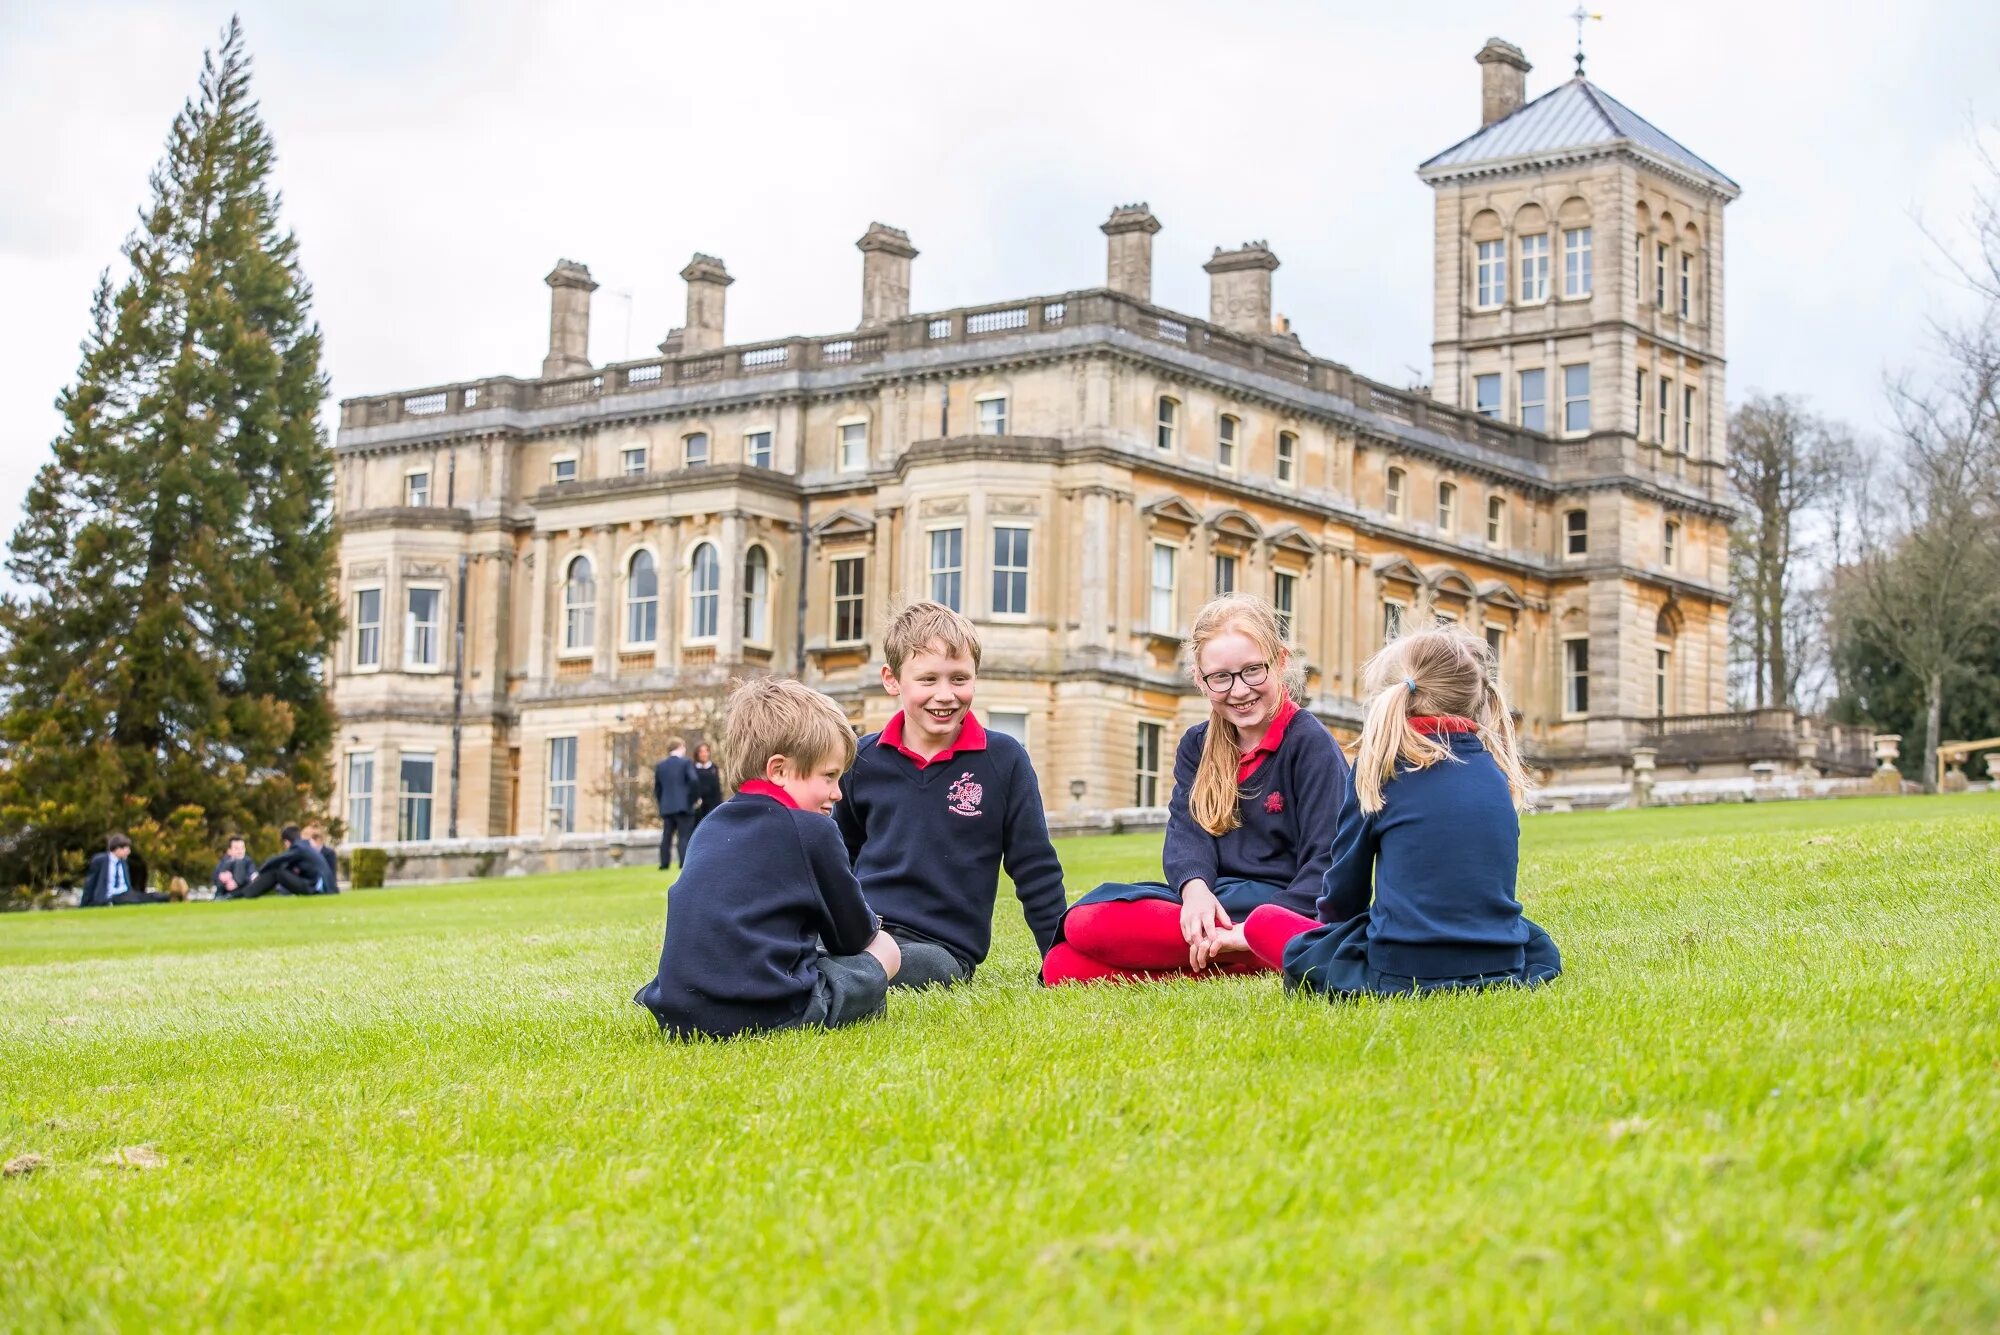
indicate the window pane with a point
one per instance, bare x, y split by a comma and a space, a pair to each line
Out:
1288, 450
756, 596
993, 417
757, 449
413, 815
1535, 267
1161, 616
854, 446
635, 462
361, 796
1576, 676
1010, 571
1486, 394
1576, 262
848, 582
1534, 400
1225, 574
1576, 397
421, 628
704, 595
694, 448
1169, 419
1283, 594
1009, 723
947, 567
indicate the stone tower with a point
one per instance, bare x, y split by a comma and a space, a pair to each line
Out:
1577, 290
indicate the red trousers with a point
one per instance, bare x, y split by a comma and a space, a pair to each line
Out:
1138, 940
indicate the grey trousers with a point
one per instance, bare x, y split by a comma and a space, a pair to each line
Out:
926, 963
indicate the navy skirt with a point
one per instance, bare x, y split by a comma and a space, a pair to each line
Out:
1333, 961
1237, 895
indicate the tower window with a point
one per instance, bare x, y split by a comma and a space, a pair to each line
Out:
1576, 262
1492, 273
1535, 267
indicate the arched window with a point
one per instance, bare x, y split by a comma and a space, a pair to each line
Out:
642, 599
1489, 261
579, 605
757, 596
1447, 507
1665, 632
1170, 420
704, 592
1392, 494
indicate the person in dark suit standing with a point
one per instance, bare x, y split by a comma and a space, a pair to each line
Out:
316, 836
707, 782
236, 870
108, 880
677, 794
299, 870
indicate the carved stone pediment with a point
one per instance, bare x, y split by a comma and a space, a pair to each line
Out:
1495, 593
1393, 567
844, 526
1292, 538
1172, 510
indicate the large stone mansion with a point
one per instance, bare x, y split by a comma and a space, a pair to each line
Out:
527, 564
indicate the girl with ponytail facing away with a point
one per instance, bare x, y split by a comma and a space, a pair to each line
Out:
1257, 787
1420, 893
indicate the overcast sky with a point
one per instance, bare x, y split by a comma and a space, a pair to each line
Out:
436, 159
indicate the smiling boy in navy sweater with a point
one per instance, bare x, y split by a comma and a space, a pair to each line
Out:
935, 804
767, 927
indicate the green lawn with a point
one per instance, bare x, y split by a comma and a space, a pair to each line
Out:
1766, 1094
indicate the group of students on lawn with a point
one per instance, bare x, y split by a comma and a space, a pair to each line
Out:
307, 866
842, 869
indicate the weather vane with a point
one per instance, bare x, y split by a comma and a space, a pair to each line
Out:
1582, 16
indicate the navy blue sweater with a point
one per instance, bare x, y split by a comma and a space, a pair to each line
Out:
928, 842
1442, 852
1287, 809
763, 888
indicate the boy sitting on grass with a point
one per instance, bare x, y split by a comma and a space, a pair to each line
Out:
766, 927
936, 803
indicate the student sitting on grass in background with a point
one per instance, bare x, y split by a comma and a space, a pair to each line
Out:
316, 836
235, 871
1256, 790
1432, 824
109, 880
936, 803
767, 927
298, 870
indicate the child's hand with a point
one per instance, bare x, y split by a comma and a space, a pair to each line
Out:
1202, 915
1227, 941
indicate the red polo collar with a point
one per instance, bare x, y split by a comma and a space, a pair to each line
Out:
1430, 725
971, 737
765, 788
1274, 737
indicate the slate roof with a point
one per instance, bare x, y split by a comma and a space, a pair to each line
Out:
1577, 115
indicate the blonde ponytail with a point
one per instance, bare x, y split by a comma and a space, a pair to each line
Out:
1213, 798
1445, 670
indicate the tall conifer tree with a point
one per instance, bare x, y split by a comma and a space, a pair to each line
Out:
162, 666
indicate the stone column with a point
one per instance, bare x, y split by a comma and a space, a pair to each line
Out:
1129, 250
1093, 575
610, 605
886, 253
570, 287
729, 624
538, 610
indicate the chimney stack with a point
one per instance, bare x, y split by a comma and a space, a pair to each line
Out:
569, 319
1239, 288
1503, 80
886, 253
707, 279
1129, 251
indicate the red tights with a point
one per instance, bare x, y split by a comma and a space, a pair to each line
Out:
1137, 940
1270, 928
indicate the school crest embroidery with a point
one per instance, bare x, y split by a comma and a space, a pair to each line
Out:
964, 795
1275, 803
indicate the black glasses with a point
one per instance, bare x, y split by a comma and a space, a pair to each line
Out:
1221, 683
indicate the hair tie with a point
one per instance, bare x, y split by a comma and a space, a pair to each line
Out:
1411, 683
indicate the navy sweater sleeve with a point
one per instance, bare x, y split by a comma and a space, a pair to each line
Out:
1319, 786
847, 811
1190, 850
1349, 882
849, 924
1030, 857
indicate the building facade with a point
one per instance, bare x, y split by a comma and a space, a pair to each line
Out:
529, 564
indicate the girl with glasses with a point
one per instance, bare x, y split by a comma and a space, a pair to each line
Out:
1257, 788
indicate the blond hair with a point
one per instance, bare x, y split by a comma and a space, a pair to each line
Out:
776, 716
1444, 670
1213, 799
916, 626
